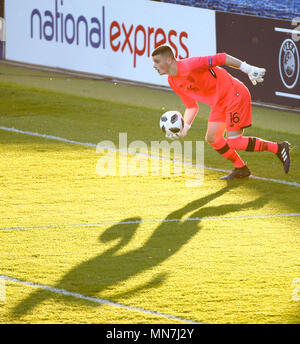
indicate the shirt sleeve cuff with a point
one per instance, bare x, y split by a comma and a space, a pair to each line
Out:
220, 59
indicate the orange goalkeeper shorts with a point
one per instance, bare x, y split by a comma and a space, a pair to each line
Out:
236, 112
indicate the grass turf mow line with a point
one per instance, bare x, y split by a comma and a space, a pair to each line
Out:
88, 144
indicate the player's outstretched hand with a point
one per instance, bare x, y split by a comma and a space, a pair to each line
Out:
255, 74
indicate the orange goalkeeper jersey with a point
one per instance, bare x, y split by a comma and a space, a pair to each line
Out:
200, 79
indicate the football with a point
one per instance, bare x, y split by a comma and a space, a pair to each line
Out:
171, 122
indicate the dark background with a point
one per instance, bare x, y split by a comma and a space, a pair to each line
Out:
254, 40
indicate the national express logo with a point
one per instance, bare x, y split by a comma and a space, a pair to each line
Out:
58, 26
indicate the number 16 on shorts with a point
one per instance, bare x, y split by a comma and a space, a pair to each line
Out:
234, 118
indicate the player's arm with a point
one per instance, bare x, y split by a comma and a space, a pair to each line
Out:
191, 110
233, 62
255, 74
189, 115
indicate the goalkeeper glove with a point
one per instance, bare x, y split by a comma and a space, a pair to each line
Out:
255, 74
180, 134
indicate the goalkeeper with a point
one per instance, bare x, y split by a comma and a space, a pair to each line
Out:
201, 79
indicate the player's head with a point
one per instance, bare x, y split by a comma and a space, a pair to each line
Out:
163, 58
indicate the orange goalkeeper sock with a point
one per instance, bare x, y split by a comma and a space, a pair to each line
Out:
228, 153
252, 144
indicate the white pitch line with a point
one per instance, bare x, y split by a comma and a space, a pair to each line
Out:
113, 223
88, 144
97, 300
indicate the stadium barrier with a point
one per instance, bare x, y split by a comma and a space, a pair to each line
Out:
111, 38
269, 43
115, 38
2, 38
2, 31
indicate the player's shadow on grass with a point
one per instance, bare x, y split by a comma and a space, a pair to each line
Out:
113, 266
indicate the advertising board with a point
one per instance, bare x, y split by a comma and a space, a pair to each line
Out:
106, 37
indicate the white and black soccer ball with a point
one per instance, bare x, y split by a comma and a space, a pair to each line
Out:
171, 122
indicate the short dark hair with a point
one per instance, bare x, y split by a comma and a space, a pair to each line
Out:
164, 50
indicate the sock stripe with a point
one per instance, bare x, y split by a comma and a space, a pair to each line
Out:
251, 144
223, 150
284, 155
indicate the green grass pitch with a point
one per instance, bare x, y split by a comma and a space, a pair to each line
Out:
138, 248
